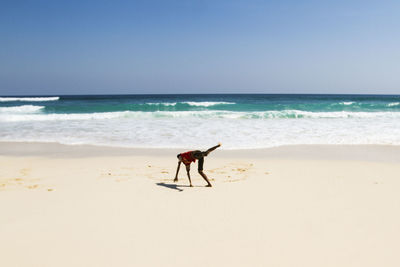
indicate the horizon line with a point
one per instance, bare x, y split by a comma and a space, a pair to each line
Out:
138, 94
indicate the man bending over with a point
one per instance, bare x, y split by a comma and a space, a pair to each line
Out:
188, 157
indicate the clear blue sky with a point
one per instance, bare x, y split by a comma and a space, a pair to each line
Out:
211, 46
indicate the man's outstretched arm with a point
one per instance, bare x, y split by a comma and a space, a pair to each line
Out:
177, 171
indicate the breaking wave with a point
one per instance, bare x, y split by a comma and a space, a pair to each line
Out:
393, 104
347, 103
193, 103
207, 104
286, 114
29, 99
21, 109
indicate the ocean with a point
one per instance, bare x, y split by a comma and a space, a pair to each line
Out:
238, 121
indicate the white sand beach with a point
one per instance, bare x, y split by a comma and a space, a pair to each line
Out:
286, 206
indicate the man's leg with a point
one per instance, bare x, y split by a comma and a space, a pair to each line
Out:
200, 169
212, 149
188, 174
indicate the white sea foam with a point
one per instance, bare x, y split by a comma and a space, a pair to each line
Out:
193, 103
209, 114
207, 104
197, 132
199, 129
163, 104
332, 115
29, 99
347, 103
393, 104
63, 117
21, 109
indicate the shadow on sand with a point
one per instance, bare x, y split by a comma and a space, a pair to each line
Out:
173, 186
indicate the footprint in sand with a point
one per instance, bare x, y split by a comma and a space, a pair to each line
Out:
22, 180
237, 171
25, 172
115, 174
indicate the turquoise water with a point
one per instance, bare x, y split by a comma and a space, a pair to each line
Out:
237, 103
240, 121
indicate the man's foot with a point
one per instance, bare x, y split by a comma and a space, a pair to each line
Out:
176, 180
191, 185
209, 185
